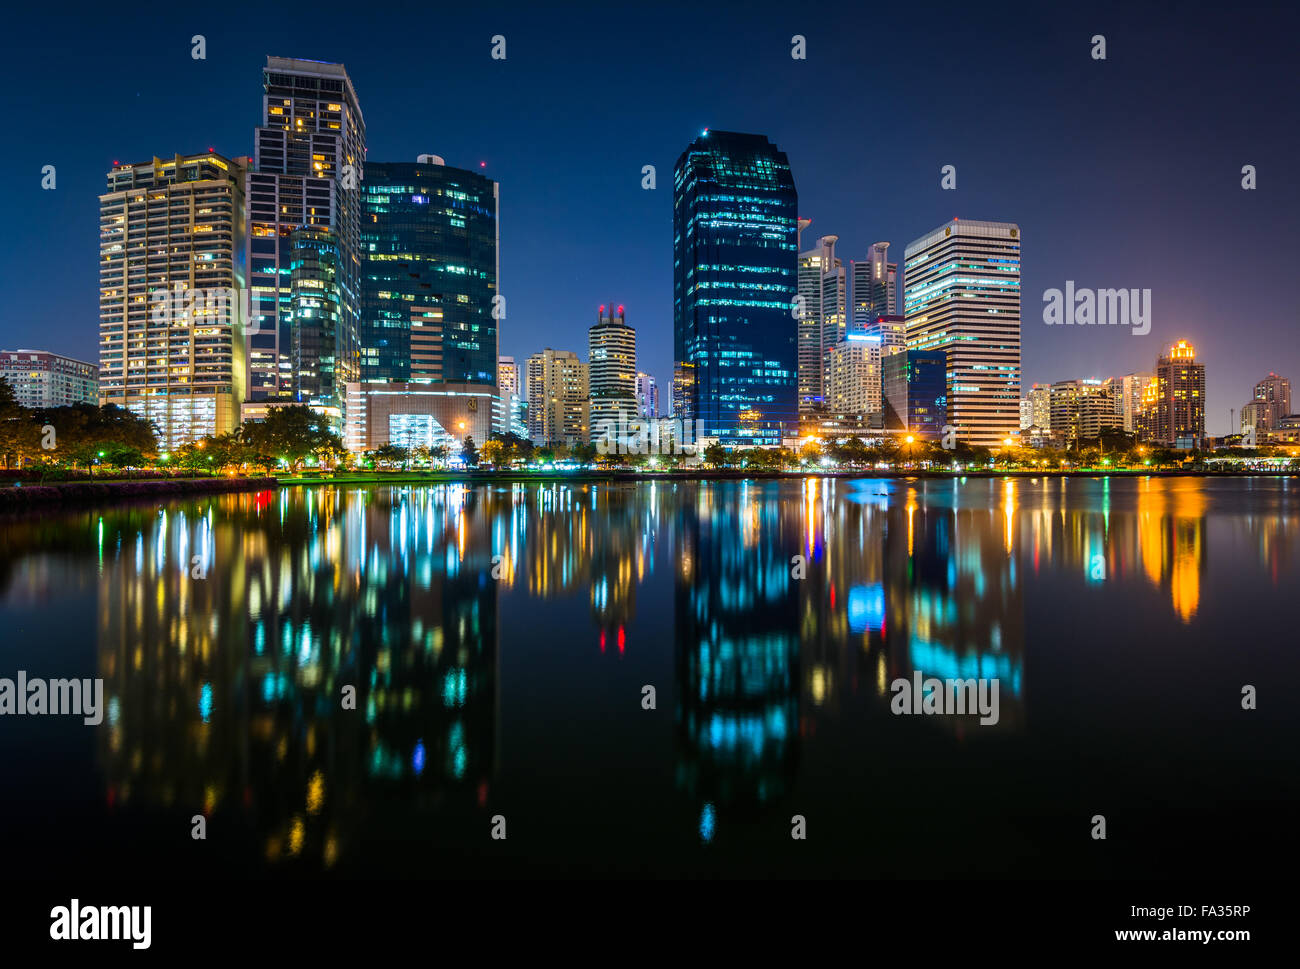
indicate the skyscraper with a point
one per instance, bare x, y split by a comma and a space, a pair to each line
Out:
307, 171
875, 286
611, 356
1174, 402
171, 271
915, 387
430, 267
735, 241
962, 295
1082, 409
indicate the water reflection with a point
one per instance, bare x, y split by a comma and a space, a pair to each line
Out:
232, 630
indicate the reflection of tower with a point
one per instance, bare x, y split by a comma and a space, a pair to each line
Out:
736, 611
954, 603
617, 561
841, 600
226, 693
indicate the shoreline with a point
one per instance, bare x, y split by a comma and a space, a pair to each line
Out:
608, 477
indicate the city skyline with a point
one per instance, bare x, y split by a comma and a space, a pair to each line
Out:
1115, 209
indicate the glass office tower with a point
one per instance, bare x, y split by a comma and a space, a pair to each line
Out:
735, 248
429, 251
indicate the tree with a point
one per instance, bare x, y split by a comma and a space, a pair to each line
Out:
716, 455
519, 448
20, 438
469, 451
389, 454
493, 452
292, 433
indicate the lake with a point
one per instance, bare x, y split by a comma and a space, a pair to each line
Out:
377, 680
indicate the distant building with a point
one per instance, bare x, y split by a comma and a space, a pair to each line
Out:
915, 392
1082, 410
611, 381
647, 396
733, 194
962, 295
556, 386
1040, 405
875, 287
511, 413
1126, 392
1026, 413
1273, 402
854, 373
812, 374
1174, 402
41, 379
417, 415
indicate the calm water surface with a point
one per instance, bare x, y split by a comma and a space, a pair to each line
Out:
499, 639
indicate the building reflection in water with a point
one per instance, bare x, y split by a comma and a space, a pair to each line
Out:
228, 636
228, 627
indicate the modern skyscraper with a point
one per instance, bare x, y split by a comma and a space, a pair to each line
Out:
1174, 402
611, 356
315, 299
41, 379
647, 396
307, 171
735, 241
875, 287
171, 272
962, 295
834, 304
557, 384
915, 392
430, 267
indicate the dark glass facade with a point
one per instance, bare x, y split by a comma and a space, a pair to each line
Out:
915, 391
429, 255
316, 316
735, 250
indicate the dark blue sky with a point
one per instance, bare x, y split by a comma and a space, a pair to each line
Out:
1121, 173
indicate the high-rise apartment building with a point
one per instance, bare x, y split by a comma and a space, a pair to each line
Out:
1274, 393
1081, 410
508, 375
1040, 406
430, 266
307, 171
1126, 392
811, 359
962, 295
834, 305
1174, 401
41, 379
171, 273
854, 376
611, 382
557, 385
735, 241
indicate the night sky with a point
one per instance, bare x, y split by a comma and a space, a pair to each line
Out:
1121, 173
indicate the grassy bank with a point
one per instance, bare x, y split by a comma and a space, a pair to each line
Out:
80, 492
